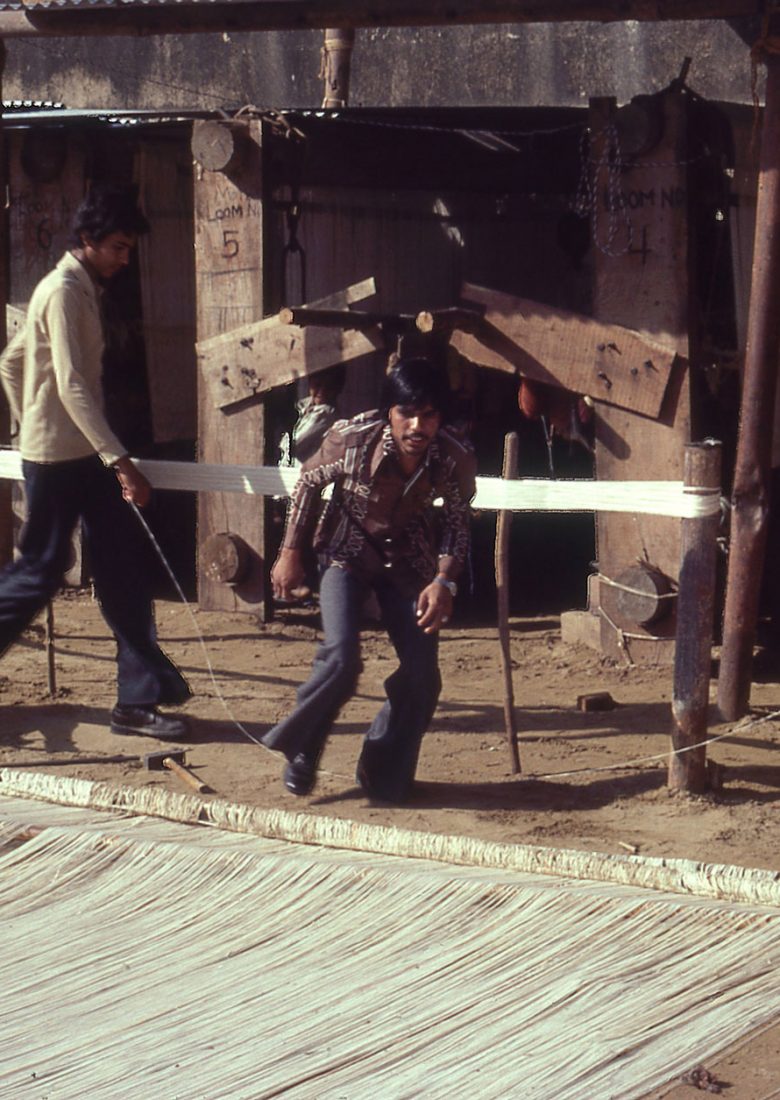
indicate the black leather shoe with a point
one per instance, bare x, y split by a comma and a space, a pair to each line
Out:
148, 722
375, 796
300, 774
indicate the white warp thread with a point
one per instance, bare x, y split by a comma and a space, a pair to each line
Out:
171, 966
660, 498
168, 971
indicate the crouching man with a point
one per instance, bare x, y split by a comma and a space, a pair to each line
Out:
379, 531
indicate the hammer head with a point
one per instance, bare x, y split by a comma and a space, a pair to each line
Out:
155, 761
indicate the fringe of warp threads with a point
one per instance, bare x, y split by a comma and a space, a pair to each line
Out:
753, 886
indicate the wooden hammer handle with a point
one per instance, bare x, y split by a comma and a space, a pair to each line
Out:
185, 774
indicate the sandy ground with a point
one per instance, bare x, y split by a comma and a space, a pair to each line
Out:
593, 781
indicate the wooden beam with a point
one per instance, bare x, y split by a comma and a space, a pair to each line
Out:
264, 15
251, 360
347, 319
609, 363
446, 320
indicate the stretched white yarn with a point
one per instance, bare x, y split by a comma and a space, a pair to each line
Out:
664, 498
171, 968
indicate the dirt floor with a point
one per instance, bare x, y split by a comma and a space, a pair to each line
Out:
593, 781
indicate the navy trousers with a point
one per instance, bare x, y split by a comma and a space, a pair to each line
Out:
392, 744
58, 493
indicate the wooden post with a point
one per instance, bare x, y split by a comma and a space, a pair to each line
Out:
695, 605
229, 292
750, 497
336, 61
502, 588
641, 280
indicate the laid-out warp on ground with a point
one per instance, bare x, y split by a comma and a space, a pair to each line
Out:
145, 958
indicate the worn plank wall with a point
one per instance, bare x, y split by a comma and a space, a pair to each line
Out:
349, 234
229, 291
643, 285
41, 209
168, 288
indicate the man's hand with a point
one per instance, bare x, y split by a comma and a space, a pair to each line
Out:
287, 573
135, 488
434, 607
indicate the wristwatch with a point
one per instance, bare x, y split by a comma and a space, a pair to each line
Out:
447, 583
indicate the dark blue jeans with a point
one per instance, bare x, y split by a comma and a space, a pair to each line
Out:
58, 493
392, 744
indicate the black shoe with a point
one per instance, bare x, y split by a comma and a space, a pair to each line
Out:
300, 773
148, 722
362, 780
374, 795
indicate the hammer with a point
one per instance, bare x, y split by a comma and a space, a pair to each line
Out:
173, 760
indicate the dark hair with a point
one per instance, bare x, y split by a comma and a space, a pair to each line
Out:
107, 209
331, 379
416, 383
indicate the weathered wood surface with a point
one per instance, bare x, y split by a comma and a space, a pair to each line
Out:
168, 290
39, 218
695, 614
41, 17
229, 293
608, 362
250, 360
40, 210
645, 281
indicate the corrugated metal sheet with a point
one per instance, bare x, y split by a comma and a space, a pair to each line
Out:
119, 5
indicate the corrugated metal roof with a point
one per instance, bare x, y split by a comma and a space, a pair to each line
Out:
118, 5
19, 112
61, 5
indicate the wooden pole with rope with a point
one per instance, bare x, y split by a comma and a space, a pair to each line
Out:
503, 522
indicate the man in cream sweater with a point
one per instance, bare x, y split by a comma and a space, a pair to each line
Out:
75, 467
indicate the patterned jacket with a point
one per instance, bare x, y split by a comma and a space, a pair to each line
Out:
377, 517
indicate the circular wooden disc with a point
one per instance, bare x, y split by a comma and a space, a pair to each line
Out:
644, 605
224, 558
213, 145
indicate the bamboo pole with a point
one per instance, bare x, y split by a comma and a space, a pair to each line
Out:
52, 670
336, 64
503, 522
750, 497
695, 608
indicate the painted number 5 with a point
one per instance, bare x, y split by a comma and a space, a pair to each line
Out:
229, 243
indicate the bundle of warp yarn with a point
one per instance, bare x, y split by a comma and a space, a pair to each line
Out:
144, 958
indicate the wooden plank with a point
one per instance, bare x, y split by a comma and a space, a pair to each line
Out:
229, 293
608, 362
168, 289
40, 211
644, 280
252, 359
42, 18
40, 216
